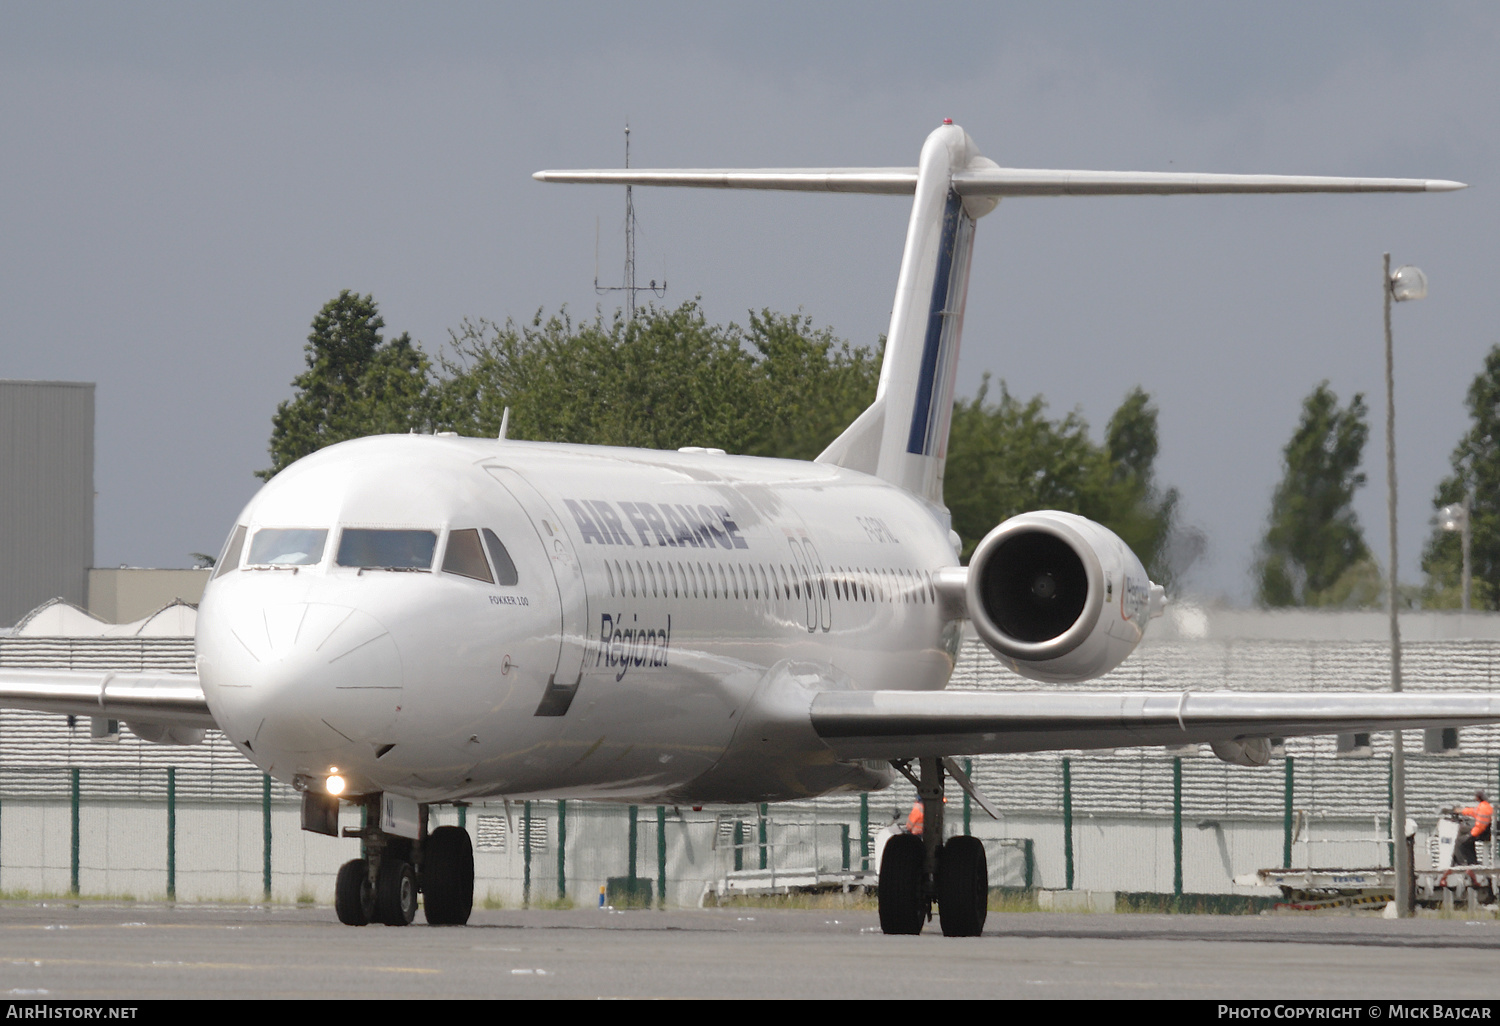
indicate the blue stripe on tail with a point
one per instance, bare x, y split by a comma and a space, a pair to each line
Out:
939, 334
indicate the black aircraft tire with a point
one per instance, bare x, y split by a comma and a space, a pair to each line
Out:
448, 877
903, 908
396, 893
963, 887
352, 897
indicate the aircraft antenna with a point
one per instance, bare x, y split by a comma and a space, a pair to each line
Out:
630, 288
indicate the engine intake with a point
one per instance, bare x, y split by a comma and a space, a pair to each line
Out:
1038, 587
1058, 597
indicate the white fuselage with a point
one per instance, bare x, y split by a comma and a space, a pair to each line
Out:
662, 604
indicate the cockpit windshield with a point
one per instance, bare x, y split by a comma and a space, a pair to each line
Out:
386, 550
280, 546
465, 557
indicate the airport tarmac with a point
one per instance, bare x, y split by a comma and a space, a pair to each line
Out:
60, 950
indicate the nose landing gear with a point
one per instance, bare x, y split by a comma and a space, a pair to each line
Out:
383, 886
916, 871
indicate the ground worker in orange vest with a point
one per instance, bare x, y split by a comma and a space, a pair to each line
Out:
1482, 812
915, 818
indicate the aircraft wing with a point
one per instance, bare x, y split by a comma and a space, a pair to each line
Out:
991, 181
170, 699
908, 724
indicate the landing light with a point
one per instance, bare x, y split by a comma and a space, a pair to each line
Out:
334, 785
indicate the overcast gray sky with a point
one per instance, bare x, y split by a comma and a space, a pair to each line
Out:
183, 185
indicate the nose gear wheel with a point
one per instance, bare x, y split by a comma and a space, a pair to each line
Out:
448, 876
354, 894
396, 893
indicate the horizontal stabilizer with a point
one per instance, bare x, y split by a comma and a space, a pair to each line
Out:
173, 699
994, 181
891, 181
1005, 181
907, 724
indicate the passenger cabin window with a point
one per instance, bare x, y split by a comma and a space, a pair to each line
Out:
465, 556
233, 548
280, 546
386, 550
505, 567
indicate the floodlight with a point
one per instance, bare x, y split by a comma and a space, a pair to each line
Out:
1451, 518
1408, 282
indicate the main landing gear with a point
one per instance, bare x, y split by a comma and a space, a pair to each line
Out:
917, 871
383, 886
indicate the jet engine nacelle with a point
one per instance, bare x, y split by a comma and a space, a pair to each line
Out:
1058, 597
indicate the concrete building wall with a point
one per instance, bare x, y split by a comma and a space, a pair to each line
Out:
123, 852
46, 494
130, 593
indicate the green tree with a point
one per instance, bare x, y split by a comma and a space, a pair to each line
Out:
812, 384
1314, 552
1008, 457
663, 380
779, 387
356, 383
1146, 516
1476, 468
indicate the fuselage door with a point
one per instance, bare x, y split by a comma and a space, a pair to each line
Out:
567, 573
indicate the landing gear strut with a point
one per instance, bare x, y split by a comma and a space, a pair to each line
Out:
916, 871
383, 886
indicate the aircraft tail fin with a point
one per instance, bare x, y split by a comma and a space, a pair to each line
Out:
921, 348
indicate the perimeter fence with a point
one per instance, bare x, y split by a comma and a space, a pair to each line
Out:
1130, 821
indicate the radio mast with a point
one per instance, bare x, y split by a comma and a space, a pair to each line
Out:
630, 288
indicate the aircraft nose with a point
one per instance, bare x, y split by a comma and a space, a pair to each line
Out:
301, 676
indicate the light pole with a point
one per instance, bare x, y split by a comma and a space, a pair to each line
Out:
1405, 283
1457, 517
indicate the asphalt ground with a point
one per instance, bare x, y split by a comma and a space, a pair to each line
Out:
60, 950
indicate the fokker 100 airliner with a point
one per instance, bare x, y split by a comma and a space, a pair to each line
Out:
403, 621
